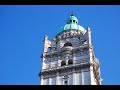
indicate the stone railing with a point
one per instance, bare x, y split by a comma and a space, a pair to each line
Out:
55, 66
68, 34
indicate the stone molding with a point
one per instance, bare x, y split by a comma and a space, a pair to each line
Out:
65, 69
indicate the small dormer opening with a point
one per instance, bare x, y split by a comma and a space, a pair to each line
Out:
73, 20
70, 20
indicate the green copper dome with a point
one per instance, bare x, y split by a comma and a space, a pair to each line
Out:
72, 24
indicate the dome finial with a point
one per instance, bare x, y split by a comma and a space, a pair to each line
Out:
72, 14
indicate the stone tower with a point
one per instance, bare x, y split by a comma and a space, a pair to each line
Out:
69, 59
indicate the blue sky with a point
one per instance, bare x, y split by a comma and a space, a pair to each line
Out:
23, 27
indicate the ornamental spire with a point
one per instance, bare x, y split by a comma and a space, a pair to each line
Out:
72, 14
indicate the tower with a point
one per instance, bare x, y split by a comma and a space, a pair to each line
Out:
69, 59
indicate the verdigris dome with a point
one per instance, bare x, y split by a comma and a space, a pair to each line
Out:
72, 24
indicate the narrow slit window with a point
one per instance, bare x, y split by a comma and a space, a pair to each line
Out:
66, 83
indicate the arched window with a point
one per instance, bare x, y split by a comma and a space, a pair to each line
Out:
63, 63
67, 44
70, 61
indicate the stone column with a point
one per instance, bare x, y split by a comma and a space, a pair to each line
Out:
82, 77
